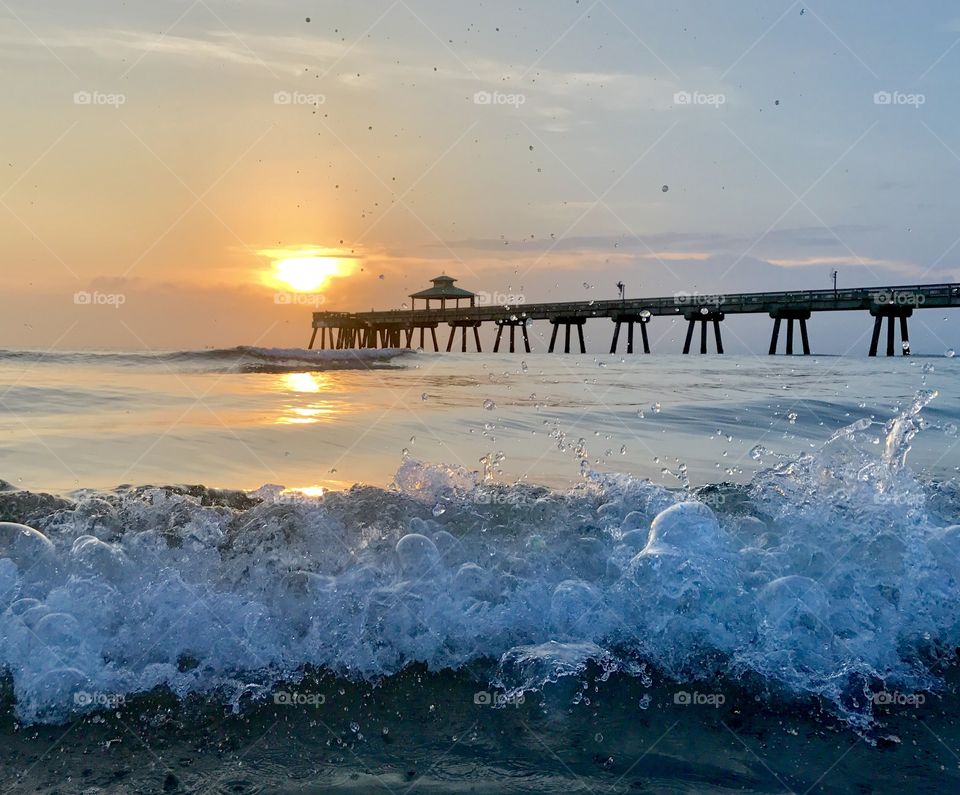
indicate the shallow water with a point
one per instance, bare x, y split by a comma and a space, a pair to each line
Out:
244, 417
512, 603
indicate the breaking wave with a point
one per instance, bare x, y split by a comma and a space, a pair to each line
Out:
242, 359
833, 576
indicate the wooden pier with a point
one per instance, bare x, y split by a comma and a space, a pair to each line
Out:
397, 328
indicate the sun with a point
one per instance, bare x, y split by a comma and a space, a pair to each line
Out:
306, 274
305, 270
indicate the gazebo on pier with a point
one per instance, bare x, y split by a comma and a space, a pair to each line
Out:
443, 291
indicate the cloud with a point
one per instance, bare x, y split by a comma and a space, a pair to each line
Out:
273, 52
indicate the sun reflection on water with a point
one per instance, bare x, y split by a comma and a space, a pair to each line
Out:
302, 408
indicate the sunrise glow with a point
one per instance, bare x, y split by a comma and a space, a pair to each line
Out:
306, 274
305, 270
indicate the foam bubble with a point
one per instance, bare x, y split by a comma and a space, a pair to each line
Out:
826, 574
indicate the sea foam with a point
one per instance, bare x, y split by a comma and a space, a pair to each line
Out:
829, 576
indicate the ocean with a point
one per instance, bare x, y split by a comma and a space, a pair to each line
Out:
261, 570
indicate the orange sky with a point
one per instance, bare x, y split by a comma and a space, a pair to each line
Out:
172, 154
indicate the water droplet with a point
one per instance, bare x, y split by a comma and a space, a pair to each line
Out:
656, 408
792, 416
424, 396
354, 727
950, 429
439, 510
665, 188
623, 449
523, 366
489, 405
950, 353
644, 313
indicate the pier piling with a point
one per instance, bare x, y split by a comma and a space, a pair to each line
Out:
630, 319
703, 317
800, 316
891, 313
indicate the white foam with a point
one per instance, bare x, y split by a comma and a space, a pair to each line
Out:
833, 576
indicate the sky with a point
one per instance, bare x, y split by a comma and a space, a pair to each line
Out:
162, 161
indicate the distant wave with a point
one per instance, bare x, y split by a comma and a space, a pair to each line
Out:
242, 359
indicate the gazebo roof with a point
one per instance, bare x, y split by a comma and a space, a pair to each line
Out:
443, 288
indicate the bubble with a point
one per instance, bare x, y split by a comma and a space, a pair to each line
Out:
424, 396
656, 408
950, 353
792, 417
665, 188
439, 510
